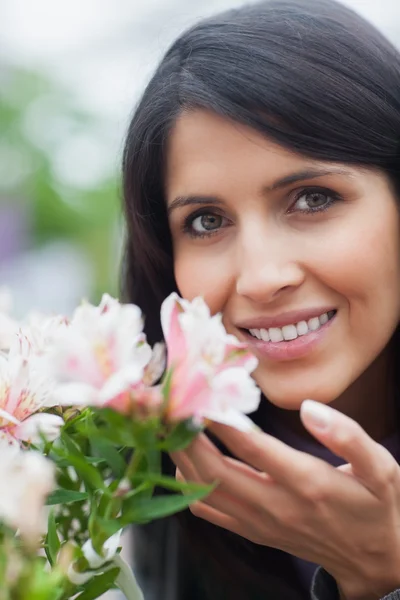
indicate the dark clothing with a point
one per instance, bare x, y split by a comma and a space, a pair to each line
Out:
324, 588
175, 575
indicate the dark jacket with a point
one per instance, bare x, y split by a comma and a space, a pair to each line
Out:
165, 572
324, 588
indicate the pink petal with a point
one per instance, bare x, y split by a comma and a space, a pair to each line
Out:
173, 333
189, 397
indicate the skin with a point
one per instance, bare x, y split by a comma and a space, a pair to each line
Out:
266, 255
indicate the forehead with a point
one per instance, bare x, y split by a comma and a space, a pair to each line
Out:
204, 146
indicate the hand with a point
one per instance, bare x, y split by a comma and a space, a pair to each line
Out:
346, 519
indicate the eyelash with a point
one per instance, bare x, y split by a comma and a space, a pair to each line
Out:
333, 196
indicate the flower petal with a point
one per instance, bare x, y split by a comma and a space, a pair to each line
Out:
175, 339
40, 423
75, 394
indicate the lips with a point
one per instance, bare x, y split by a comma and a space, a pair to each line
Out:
272, 343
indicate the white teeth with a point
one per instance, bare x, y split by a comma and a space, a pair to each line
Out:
324, 318
289, 332
302, 327
314, 324
275, 334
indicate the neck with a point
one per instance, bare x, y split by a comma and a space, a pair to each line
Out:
370, 401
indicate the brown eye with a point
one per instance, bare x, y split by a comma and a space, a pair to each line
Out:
314, 200
207, 222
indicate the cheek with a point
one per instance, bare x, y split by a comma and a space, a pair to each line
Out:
205, 274
362, 264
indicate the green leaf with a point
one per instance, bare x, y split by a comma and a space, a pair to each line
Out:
180, 437
107, 451
62, 496
108, 526
153, 458
99, 585
166, 386
53, 544
145, 510
170, 483
75, 457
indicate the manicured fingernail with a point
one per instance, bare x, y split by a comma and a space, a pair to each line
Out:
316, 414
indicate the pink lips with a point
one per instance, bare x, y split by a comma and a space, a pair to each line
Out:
288, 350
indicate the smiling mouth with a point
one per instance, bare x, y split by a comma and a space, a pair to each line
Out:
292, 331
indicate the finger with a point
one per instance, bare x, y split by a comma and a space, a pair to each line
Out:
370, 462
283, 464
186, 468
218, 518
237, 479
225, 503
237, 465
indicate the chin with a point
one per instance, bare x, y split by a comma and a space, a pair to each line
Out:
290, 397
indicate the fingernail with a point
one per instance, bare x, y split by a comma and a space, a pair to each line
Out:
316, 414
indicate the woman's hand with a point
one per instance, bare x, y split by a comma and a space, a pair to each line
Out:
346, 519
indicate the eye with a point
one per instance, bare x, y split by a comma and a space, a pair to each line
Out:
314, 200
203, 224
207, 222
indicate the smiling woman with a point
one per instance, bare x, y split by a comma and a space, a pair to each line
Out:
261, 171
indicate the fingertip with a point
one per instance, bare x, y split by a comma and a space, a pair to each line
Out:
316, 415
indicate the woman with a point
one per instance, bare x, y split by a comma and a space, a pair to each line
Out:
261, 171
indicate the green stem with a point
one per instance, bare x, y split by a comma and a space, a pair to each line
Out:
133, 464
126, 581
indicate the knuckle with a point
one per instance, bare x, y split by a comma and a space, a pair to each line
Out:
316, 489
387, 473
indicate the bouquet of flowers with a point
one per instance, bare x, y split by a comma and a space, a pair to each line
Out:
87, 408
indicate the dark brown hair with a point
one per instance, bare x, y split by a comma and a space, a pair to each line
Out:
311, 75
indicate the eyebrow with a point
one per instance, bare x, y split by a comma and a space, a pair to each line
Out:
303, 175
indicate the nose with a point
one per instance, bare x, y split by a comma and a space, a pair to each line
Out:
267, 268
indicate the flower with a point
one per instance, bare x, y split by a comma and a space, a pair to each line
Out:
101, 356
94, 560
24, 392
208, 369
39, 333
27, 478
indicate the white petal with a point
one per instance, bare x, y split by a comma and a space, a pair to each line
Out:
233, 418
111, 545
41, 423
119, 383
6, 416
79, 578
110, 548
75, 394
235, 388
166, 311
29, 478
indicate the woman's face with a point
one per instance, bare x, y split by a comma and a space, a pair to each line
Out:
301, 256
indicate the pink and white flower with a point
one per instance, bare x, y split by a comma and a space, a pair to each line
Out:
24, 393
209, 369
101, 357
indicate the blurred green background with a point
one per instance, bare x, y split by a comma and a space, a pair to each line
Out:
48, 209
